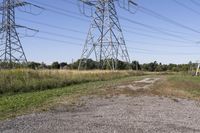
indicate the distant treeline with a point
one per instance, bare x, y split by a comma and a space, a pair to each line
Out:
91, 65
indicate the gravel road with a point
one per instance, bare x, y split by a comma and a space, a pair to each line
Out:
119, 114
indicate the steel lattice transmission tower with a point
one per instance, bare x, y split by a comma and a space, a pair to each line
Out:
105, 40
11, 50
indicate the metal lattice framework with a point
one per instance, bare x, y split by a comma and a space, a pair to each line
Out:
11, 50
105, 40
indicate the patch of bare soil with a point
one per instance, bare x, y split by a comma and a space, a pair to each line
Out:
118, 114
138, 85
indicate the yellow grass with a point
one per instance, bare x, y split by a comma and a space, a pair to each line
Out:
25, 80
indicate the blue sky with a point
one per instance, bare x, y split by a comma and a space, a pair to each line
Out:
142, 48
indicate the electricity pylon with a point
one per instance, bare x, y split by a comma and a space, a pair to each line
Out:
105, 40
11, 50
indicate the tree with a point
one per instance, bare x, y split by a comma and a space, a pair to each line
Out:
91, 64
63, 65
43, 66
135, 65
55, 65
88, 64
122, 65
33, 65
159, 67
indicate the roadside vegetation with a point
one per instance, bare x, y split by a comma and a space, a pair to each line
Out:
179, 85
23, 103
25, 91
23, 80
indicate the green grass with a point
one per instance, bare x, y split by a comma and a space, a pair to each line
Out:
14, 105
187, 83
180, 85
184, 77
22, 80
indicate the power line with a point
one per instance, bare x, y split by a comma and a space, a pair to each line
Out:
56, 40
138, 42
163, 45
186, 7
64, 28
144, 25
76, 38
164, 52
68, 1
154, 52
194, 2
61, 35
61, 11
55, 7
71, 37
166, 19
145, 9
158, 28
51, 26
152, 36
163, 31
148, 26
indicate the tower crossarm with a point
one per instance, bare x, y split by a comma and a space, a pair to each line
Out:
11, 49
20, 26
12, 5
17, 4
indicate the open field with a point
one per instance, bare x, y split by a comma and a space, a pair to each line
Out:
22, 80
182, 86
73, 82
169, 99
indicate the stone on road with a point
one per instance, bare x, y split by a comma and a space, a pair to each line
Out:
114, 115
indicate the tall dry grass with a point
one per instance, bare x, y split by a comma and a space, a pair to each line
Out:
23, 80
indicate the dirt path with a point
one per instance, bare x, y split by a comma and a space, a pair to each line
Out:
119, 114
137, 85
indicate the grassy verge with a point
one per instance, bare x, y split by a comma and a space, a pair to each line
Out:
14, 105
22, 80
182, 86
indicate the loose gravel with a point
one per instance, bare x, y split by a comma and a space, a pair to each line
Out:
119, 114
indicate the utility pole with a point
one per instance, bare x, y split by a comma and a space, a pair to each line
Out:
105, 41
11, 50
